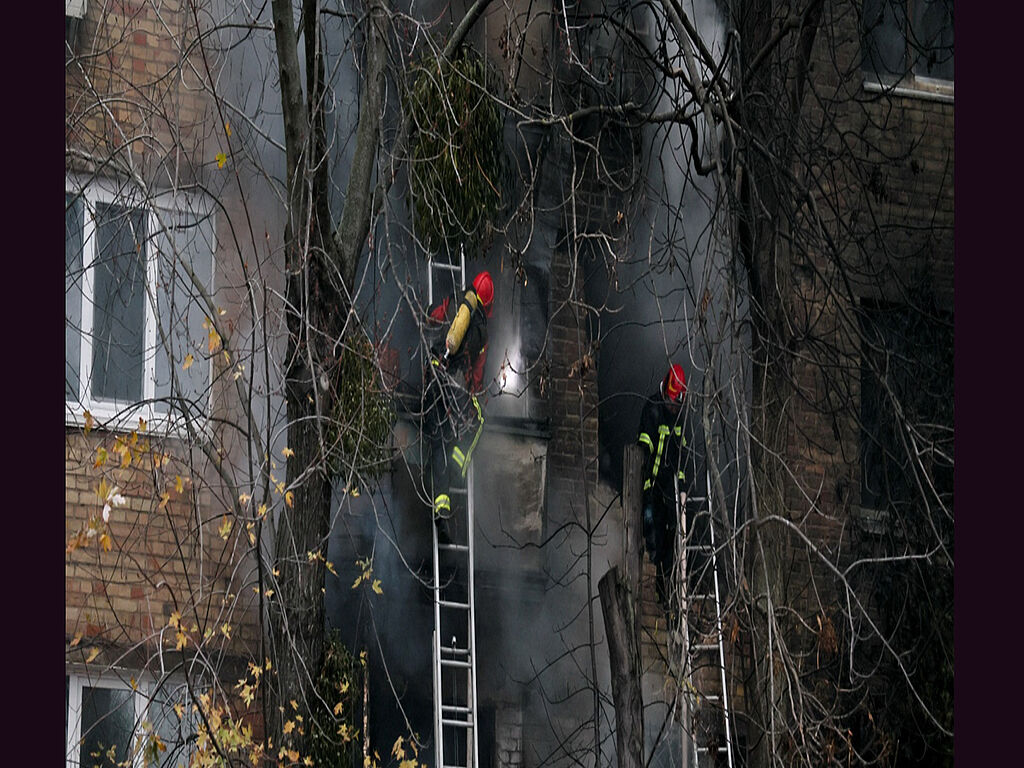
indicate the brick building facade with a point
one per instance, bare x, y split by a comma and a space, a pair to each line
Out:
158, 590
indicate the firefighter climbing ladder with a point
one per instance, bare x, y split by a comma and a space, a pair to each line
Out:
706, 582
454, 638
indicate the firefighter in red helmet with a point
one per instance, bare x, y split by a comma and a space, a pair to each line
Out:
454, 418
663, 444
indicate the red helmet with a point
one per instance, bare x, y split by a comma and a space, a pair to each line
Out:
484, 287
673, 387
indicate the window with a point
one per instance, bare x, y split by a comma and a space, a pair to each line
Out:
516, 343
74, 12
107, 716
135, 274
908, 40
906, 405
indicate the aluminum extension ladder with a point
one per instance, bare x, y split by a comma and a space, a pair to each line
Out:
454, 646
706, 595
454, 637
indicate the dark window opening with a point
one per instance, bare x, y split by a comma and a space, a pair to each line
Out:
906, 406
901, 37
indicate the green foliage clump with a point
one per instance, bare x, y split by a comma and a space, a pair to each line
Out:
363, 415
459, 167
336, 735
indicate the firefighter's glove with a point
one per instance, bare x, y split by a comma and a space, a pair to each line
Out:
649, 540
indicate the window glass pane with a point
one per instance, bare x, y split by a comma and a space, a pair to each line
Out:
108, 717
120, 304
884, 38
186, 247
73, 217
932, 39
177, 733
906, 383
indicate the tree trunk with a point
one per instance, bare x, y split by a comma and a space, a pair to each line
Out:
624, 660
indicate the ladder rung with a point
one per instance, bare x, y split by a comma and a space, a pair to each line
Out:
705, 646
454, 547
699, 548
456, 710
706, 596
457, 723
442, 265
453, 604
454, 663
711, 697
455, 651
706, 750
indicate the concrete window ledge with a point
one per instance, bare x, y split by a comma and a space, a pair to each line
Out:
923, 88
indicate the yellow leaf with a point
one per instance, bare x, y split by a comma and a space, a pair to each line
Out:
225, 528
376, 587
142, 424
175, 620
104, 489
77, 639
105, 542
295, 705
289, 499
182, 640
225, 629
293, 755
243, 498
221, 159
279, 486
227, 128
339, 707
287, 452
262, 512
101, 457
93, 653
355, 493
88, 422
289, 727
213, 339
179, 710
188, 362
164, 498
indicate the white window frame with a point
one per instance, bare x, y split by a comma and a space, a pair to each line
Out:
76, 681
114, 414
145, 687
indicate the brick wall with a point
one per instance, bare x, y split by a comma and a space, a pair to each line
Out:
573, 449
168, 553
132, 85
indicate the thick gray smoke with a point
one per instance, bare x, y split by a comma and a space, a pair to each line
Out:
533, 624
